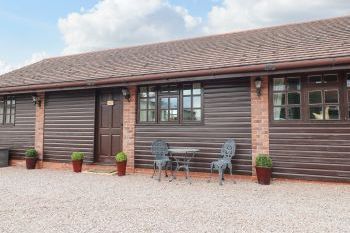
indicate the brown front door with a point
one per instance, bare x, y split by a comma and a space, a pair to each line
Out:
109, 125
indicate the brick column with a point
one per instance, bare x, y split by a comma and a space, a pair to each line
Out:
39, 129
260, 119
129, 121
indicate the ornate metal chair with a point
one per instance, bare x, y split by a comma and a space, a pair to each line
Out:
160, 151
227, 152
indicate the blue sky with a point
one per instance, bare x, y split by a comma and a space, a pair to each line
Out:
35, 29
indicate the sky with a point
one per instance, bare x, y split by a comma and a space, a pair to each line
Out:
33, 30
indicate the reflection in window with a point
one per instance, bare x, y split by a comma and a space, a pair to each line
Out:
192, 102
324, 105
147, 104
7, 110
286, 98
168, 109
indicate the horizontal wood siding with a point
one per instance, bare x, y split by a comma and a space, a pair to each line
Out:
20, 136
311, 151
69, 125
226, 115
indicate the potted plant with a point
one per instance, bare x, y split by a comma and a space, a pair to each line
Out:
121, 159
31, 156
77, 161
263, 166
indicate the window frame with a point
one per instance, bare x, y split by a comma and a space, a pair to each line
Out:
5, 114
179, 95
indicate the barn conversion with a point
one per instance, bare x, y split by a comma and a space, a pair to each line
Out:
282, 90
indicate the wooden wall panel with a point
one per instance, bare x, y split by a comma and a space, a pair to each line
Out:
69, 125
20, 136
226, 115
313, 151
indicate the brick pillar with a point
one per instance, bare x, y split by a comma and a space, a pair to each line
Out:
39, 129
129, 121
260, 119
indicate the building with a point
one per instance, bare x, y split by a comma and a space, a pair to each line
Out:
194, 92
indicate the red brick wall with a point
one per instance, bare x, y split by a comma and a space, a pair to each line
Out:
39, 127
129, 121
260, 119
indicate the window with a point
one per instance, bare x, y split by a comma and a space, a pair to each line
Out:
147, 104
286, 98
323, 79
348, 92
324, 105
192, 102
7, 110
170, 104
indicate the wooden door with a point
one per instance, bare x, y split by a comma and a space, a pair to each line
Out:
109, 125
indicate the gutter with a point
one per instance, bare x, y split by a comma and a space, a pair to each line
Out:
209, 72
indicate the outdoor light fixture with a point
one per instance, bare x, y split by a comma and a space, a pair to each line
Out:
36, 100
258, 84
126, 93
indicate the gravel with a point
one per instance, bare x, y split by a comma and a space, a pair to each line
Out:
61, 201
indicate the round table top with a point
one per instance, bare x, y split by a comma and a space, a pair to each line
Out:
183, 150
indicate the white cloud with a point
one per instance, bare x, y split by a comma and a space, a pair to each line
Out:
232, 15
35, 57
115, 23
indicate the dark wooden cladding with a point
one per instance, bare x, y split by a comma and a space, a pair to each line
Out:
20, 136
69, 125
226, 115
314, 151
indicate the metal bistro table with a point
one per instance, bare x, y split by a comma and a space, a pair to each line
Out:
182, 156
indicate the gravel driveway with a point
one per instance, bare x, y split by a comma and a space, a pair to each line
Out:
61, 201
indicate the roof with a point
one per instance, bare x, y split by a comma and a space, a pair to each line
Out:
319, 39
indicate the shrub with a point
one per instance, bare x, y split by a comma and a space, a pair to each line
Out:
121, 157
77, 156
263, 160
32, 153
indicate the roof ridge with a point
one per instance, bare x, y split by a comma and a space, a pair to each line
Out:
201, 37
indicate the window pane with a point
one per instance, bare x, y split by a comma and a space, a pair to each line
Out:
1, 107
13, 117
143, 91
294, 113
316, 113
173, 102
1, 119
152, 103
330, 78
164, 89
315, 97
164, 115
331, 112
187, 90
279, 99
8, 117
294, 84
152, 92
278, 84
152, 116
143, 103
197, 115
143, 116
172, 88
187, 102
294, 98
164, 103
187, 114
197, 89
173, 115
279, 113
315, 79
348, 80
331, 97
196, 102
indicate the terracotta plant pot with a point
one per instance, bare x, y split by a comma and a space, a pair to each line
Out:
77, 165
31, 162
121, 167
264, 175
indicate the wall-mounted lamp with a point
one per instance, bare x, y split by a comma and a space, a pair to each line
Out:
258, 85
36, 100
126, 93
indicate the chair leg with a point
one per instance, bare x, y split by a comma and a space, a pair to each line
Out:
154, 169
230, 167
159, 171
211, 172
220, 176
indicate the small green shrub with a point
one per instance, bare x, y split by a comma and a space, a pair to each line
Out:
77, 156
263, 160
32, 153
121, 157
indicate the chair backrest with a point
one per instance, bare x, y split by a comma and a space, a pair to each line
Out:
228, 150
159, 149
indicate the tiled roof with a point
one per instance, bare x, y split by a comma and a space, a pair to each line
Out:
295, 42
